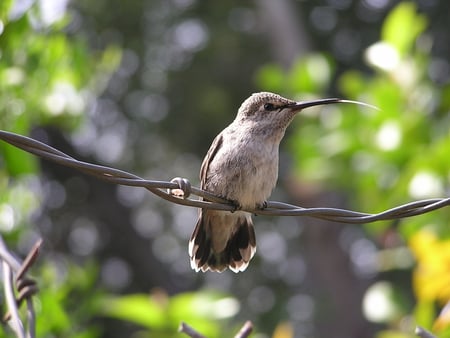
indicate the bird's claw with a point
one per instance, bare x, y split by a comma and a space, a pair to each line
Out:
261, 206
236, 205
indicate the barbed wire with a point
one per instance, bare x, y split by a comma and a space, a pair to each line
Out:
15, 276
179, 190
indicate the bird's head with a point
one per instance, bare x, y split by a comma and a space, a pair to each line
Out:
273, 108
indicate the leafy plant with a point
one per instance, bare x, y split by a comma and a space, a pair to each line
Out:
381, 158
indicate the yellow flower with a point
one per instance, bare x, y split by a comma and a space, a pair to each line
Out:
431, 277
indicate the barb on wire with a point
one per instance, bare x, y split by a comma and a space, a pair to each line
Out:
14, 274
179, 190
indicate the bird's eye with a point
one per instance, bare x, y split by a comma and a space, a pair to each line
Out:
269, 106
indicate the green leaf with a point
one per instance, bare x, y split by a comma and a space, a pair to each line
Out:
310, 74
5, 6
425, 313
17, 161
270, 77
138, 308
352, 83
402, 27
52, 307
203, 310
200, 309
209, 305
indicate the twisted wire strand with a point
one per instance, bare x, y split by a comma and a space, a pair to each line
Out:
166, 190
15, 277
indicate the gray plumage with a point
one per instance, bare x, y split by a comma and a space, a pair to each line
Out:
242, 166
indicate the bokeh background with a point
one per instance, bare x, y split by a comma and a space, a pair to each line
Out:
144, 86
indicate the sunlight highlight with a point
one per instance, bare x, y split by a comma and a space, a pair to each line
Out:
382, 55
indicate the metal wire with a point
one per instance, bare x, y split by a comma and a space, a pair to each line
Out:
179, 190
15, 277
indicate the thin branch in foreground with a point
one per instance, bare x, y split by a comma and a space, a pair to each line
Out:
190, 331
244, 332
422, 333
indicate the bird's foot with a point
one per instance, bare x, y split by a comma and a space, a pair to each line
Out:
237, 206
261, 206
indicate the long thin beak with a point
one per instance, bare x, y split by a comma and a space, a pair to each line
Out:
306, 104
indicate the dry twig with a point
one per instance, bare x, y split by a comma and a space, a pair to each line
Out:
189, 330
244, 332
422, 333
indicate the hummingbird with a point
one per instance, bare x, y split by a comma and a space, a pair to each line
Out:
241, 166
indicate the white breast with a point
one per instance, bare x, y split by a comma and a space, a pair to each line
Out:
244, 170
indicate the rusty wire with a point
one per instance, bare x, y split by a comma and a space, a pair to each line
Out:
19, 288
179, 190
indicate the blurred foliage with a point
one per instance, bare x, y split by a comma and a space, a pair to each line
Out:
381, 147
67, 300
47, 77
161, 314
382, 158
309, 75
56, 72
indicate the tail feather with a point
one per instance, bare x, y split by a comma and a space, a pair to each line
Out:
222, 240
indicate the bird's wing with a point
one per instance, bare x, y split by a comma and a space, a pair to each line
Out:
215, 146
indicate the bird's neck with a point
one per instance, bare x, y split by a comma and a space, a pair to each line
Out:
265, 130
